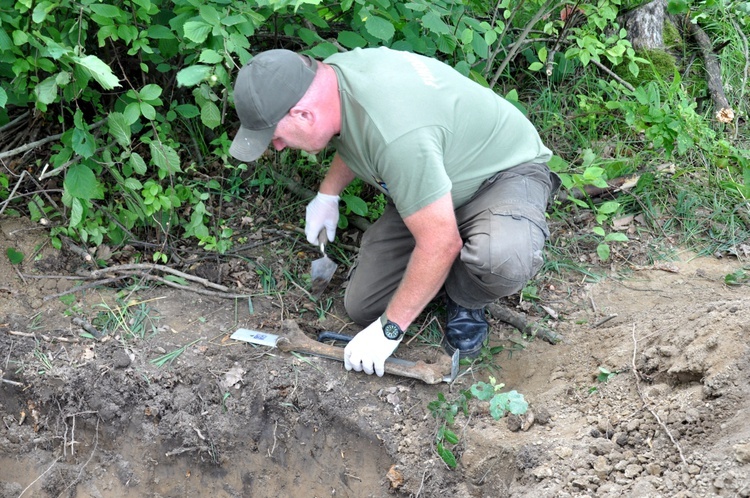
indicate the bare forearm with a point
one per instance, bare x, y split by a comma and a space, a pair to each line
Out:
425, 275
338, 177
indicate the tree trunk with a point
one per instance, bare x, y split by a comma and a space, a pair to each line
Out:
645, 25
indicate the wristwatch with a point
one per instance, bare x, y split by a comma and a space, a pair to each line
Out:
391, 330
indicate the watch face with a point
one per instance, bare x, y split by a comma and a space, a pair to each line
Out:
392, 331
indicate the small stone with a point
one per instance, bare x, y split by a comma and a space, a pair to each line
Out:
633, 470
542, 472
602, 467
121, 359
580, 483
742, 452
620, 438
601, 447
654, 469
514, 423
542, 416
633, 425
563, 452
693, 469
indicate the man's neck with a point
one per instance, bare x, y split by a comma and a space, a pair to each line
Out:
332, 98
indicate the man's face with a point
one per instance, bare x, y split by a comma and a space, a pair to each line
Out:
296, 131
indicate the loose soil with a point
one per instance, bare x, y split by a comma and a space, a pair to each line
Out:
98, 418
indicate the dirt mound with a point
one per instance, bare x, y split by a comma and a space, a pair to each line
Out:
647, 396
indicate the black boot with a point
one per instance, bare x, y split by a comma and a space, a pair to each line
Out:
465, 330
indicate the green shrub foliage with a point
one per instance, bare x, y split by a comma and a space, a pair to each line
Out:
140, 91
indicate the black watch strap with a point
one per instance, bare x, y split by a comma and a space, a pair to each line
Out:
391, 330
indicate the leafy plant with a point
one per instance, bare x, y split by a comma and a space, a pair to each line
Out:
500, 403
739, 277
14, 256
605, 375
172, 355
134, 319
597, 176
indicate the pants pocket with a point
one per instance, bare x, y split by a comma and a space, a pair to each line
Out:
517, 234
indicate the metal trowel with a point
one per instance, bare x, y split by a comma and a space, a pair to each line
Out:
322, 268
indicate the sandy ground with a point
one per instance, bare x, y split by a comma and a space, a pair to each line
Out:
97, 417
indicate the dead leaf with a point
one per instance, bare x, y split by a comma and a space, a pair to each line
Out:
233, 377
395, 477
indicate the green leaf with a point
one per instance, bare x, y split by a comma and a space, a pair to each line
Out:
616, 237
535, 66
676, 7
434, 23
176, 279
80, 182
482, 391
450, 436
3, 97
76, 212
83, 143
106, 10
165, 157
133, 184
355, 204
379, 27
150, 92
608, 207
119, 128
516, 404
197, 31
187, 110
603, 251
137, 163
193, 75
147, 111
209, 56
210, 115
447, 455
15, 257
46, 91
158, 32
350, 39
100, 71
41, 10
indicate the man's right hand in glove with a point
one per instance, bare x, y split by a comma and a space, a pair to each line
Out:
322, 212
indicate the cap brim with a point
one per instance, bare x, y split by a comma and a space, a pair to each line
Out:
249, 145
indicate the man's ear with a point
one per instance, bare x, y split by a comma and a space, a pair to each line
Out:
303, 114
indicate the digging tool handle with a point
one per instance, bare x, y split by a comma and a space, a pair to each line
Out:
296, 340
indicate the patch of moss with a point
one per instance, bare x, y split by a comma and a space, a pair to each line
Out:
662, 64
671, 36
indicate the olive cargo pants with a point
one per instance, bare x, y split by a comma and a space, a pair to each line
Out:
503, 227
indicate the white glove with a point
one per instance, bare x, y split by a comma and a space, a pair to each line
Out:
369, 349
322, 212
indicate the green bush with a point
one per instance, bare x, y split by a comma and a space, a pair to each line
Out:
140, 92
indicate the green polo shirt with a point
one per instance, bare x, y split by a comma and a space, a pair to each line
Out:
417, 129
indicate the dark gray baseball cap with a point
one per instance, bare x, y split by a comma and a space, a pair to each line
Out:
266, 89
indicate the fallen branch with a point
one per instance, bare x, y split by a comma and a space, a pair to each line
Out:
45, 337
724, 112
161, 268
614, 76
179, 451
51, 138
517, 320
85, 286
